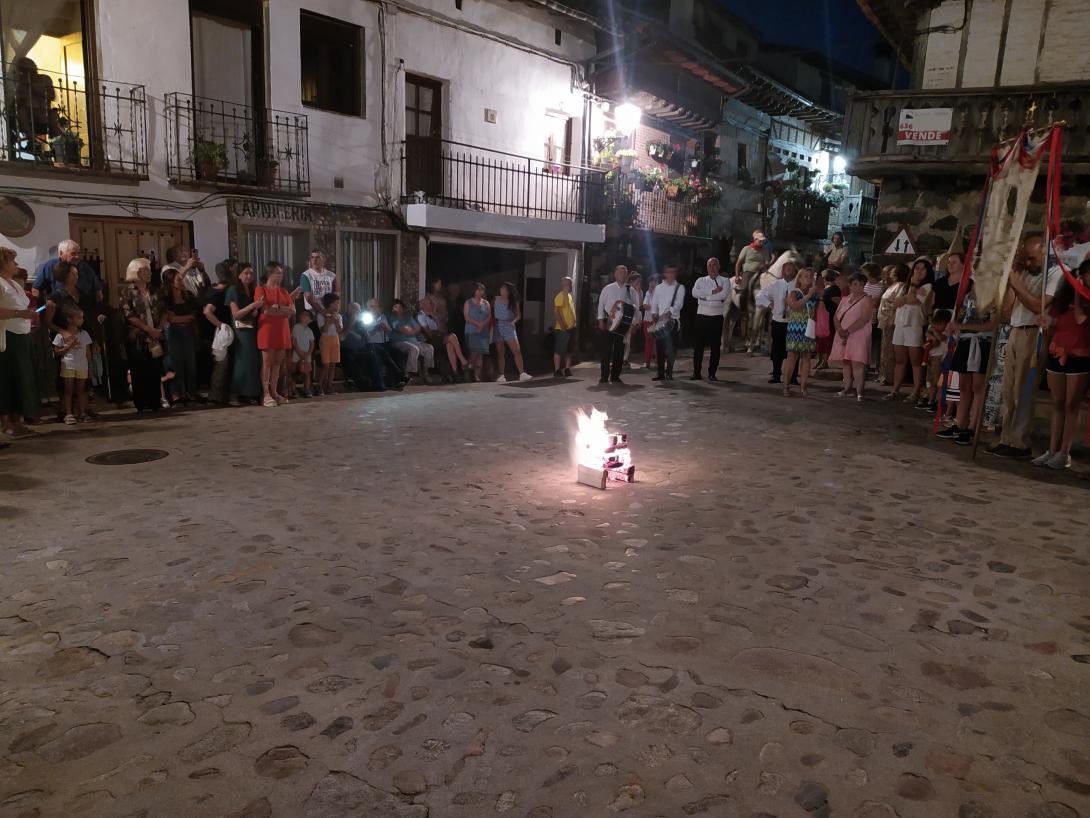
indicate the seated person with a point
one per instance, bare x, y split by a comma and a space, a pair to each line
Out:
381, 337
411, 342
359, 360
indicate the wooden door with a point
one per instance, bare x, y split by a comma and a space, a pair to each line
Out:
109, 244
423, 135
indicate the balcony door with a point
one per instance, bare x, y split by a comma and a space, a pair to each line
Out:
423, 136
229, 81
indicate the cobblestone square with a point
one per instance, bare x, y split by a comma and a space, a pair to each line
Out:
403, 606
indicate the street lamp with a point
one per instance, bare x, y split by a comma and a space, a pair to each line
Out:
840, 164
627, 116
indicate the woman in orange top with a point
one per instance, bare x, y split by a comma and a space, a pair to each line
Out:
273, 330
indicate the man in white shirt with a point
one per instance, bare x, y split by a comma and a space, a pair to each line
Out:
666, 302
611, 344
1025, 289
775, 296
712, 292
316, 282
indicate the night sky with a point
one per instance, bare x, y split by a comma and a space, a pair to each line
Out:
836, 27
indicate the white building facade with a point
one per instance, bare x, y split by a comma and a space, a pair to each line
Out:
405, 140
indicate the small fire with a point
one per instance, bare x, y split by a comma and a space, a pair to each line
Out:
599, 453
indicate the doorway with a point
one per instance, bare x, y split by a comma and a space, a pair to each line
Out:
423, 136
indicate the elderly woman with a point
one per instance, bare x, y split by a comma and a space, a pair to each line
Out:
18, 383
851, 346
143, 313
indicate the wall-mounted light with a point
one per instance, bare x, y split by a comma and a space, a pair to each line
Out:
840, 164
627, 116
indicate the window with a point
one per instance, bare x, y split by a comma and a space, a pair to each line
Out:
368, 265
331, 64
558, 144
743, 156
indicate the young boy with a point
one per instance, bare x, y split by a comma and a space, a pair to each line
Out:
934, 347
302, 342
75, 354
329, 342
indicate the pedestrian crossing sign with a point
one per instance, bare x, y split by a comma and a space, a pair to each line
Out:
902, 245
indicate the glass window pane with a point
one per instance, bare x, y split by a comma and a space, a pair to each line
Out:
423, 125
426, 95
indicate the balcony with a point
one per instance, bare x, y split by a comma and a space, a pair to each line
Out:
981, 119
211, 142
60, 122
858, 211
466, 177
800, 216
664, 212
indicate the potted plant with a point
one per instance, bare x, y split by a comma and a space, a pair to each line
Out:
678, 188
66, 146
662, 151
209, 158
651, 179
628, 159
266, 171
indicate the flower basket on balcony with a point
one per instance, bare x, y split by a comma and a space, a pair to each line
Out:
66, 148
662, 151
651, 179
209, 158
266, 172
678, 189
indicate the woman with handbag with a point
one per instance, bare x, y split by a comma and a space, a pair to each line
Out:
246, 373
801, 306
851, 346
143, 314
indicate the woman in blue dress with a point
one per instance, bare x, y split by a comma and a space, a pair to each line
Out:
507, 312
801, 306
478, 315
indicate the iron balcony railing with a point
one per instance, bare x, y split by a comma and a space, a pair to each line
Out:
60, 120
454, 174
980, 119
665, 210
227, 144
857, 210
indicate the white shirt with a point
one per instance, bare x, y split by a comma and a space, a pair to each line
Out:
708, 302
611, 294
660, 299
1020, 314
13, 297
775, 296
321, 283
76, 357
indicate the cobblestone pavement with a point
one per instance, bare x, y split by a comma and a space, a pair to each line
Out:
399, 607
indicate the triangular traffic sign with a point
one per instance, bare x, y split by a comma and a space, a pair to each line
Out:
903, 244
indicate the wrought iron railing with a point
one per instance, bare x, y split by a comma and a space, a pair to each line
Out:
454, 174
60, 120
800, 216
224, 143
980, 119
662, 210
857, 210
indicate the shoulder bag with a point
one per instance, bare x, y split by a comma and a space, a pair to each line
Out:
666, 323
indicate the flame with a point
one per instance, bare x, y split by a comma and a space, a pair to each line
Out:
591, 439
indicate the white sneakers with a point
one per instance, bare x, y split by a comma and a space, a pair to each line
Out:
526, 376
501, 379
1053, 460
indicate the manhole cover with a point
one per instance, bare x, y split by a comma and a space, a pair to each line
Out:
516, 396
127, 457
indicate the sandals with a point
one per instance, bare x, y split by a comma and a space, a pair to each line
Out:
269, 402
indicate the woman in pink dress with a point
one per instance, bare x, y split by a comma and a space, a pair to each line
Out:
851, 346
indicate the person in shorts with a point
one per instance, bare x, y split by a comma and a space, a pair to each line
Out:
329, 341
970, 361
563, 328
302, 343
73, 347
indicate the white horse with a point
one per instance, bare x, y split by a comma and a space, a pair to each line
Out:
758, 314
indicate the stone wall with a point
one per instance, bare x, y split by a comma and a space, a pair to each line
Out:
935, 209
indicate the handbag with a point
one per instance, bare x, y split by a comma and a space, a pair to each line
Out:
824, 325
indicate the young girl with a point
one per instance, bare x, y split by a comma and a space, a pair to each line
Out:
507, 312
909, 320
478, 315
329, 344
1068, 368
934, 348
74, 350
302, 342
801, 305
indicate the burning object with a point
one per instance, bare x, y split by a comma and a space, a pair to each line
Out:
601, 455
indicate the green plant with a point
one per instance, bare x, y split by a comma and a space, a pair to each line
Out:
66, 144
662, 151
651, 178
210, 154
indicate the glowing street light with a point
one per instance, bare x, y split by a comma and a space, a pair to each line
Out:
840, 164
627, 116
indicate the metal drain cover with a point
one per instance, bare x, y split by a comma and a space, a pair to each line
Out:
516, 396
127, 457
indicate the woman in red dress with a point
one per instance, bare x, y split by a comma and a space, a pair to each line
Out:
273, 329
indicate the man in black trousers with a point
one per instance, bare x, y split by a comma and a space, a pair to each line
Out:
712, 292
611, 345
